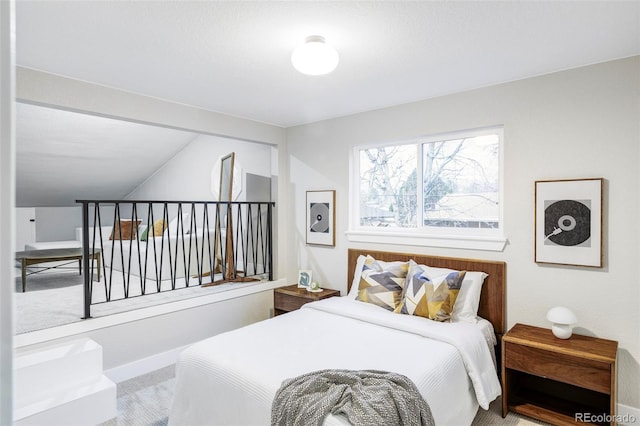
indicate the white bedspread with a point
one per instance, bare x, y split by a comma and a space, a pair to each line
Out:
230, 379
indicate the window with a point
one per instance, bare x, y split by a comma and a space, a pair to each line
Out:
443, 191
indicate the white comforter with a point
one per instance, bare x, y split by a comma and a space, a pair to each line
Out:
230, 379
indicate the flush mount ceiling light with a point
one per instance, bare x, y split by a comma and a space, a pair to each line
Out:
315, 57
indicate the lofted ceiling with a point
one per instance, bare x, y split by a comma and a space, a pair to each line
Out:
64, 156
233, 57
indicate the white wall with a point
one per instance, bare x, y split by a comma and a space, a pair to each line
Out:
7, 204
49, 224
572, 124
188, 175
25, 227
57, 223
143, 338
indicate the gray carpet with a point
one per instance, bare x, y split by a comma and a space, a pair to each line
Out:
52, 298
55, 297
146, 401
493, 416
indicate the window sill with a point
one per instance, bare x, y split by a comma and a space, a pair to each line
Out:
414, 239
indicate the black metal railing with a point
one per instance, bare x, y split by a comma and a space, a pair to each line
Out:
148, 247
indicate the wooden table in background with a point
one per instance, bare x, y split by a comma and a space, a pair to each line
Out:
35, 257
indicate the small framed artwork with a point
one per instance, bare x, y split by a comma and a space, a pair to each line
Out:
568, 222
304, 278
321, 217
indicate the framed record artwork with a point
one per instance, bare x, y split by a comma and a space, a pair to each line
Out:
321, 217
568, 222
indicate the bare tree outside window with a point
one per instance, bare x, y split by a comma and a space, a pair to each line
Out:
462, 183
384, 192
456, 182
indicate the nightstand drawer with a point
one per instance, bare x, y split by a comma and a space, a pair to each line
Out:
589, 374
290, 298
287, 302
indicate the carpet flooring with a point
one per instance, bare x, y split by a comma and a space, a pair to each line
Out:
146, 401
55, 297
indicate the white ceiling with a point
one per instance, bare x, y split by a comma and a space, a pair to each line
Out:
64, 156
234, 57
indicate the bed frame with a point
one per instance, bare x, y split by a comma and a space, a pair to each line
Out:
492, 298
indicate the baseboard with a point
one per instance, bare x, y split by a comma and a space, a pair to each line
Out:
627, 415
143, 366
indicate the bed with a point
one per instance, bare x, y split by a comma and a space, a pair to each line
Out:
231, 378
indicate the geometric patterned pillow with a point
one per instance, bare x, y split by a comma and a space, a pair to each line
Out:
430, 293
381, 283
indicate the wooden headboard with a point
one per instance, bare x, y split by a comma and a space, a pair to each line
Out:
492, 299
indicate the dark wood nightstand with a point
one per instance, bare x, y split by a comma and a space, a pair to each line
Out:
563, 382
290, 298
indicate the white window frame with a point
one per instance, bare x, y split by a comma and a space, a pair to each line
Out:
466, 238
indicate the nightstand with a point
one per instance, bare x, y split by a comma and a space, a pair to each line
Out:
563, 382
290, 298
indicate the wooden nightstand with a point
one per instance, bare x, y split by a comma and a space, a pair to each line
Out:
556, 380
290, 298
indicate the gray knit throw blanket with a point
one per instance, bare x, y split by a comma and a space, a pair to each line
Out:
365, 397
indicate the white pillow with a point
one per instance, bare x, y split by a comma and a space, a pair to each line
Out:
357, 274
466, 307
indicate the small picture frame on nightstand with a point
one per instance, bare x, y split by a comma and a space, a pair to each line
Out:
304, 278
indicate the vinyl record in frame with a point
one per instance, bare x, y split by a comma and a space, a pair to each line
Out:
320, 217
568, 222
